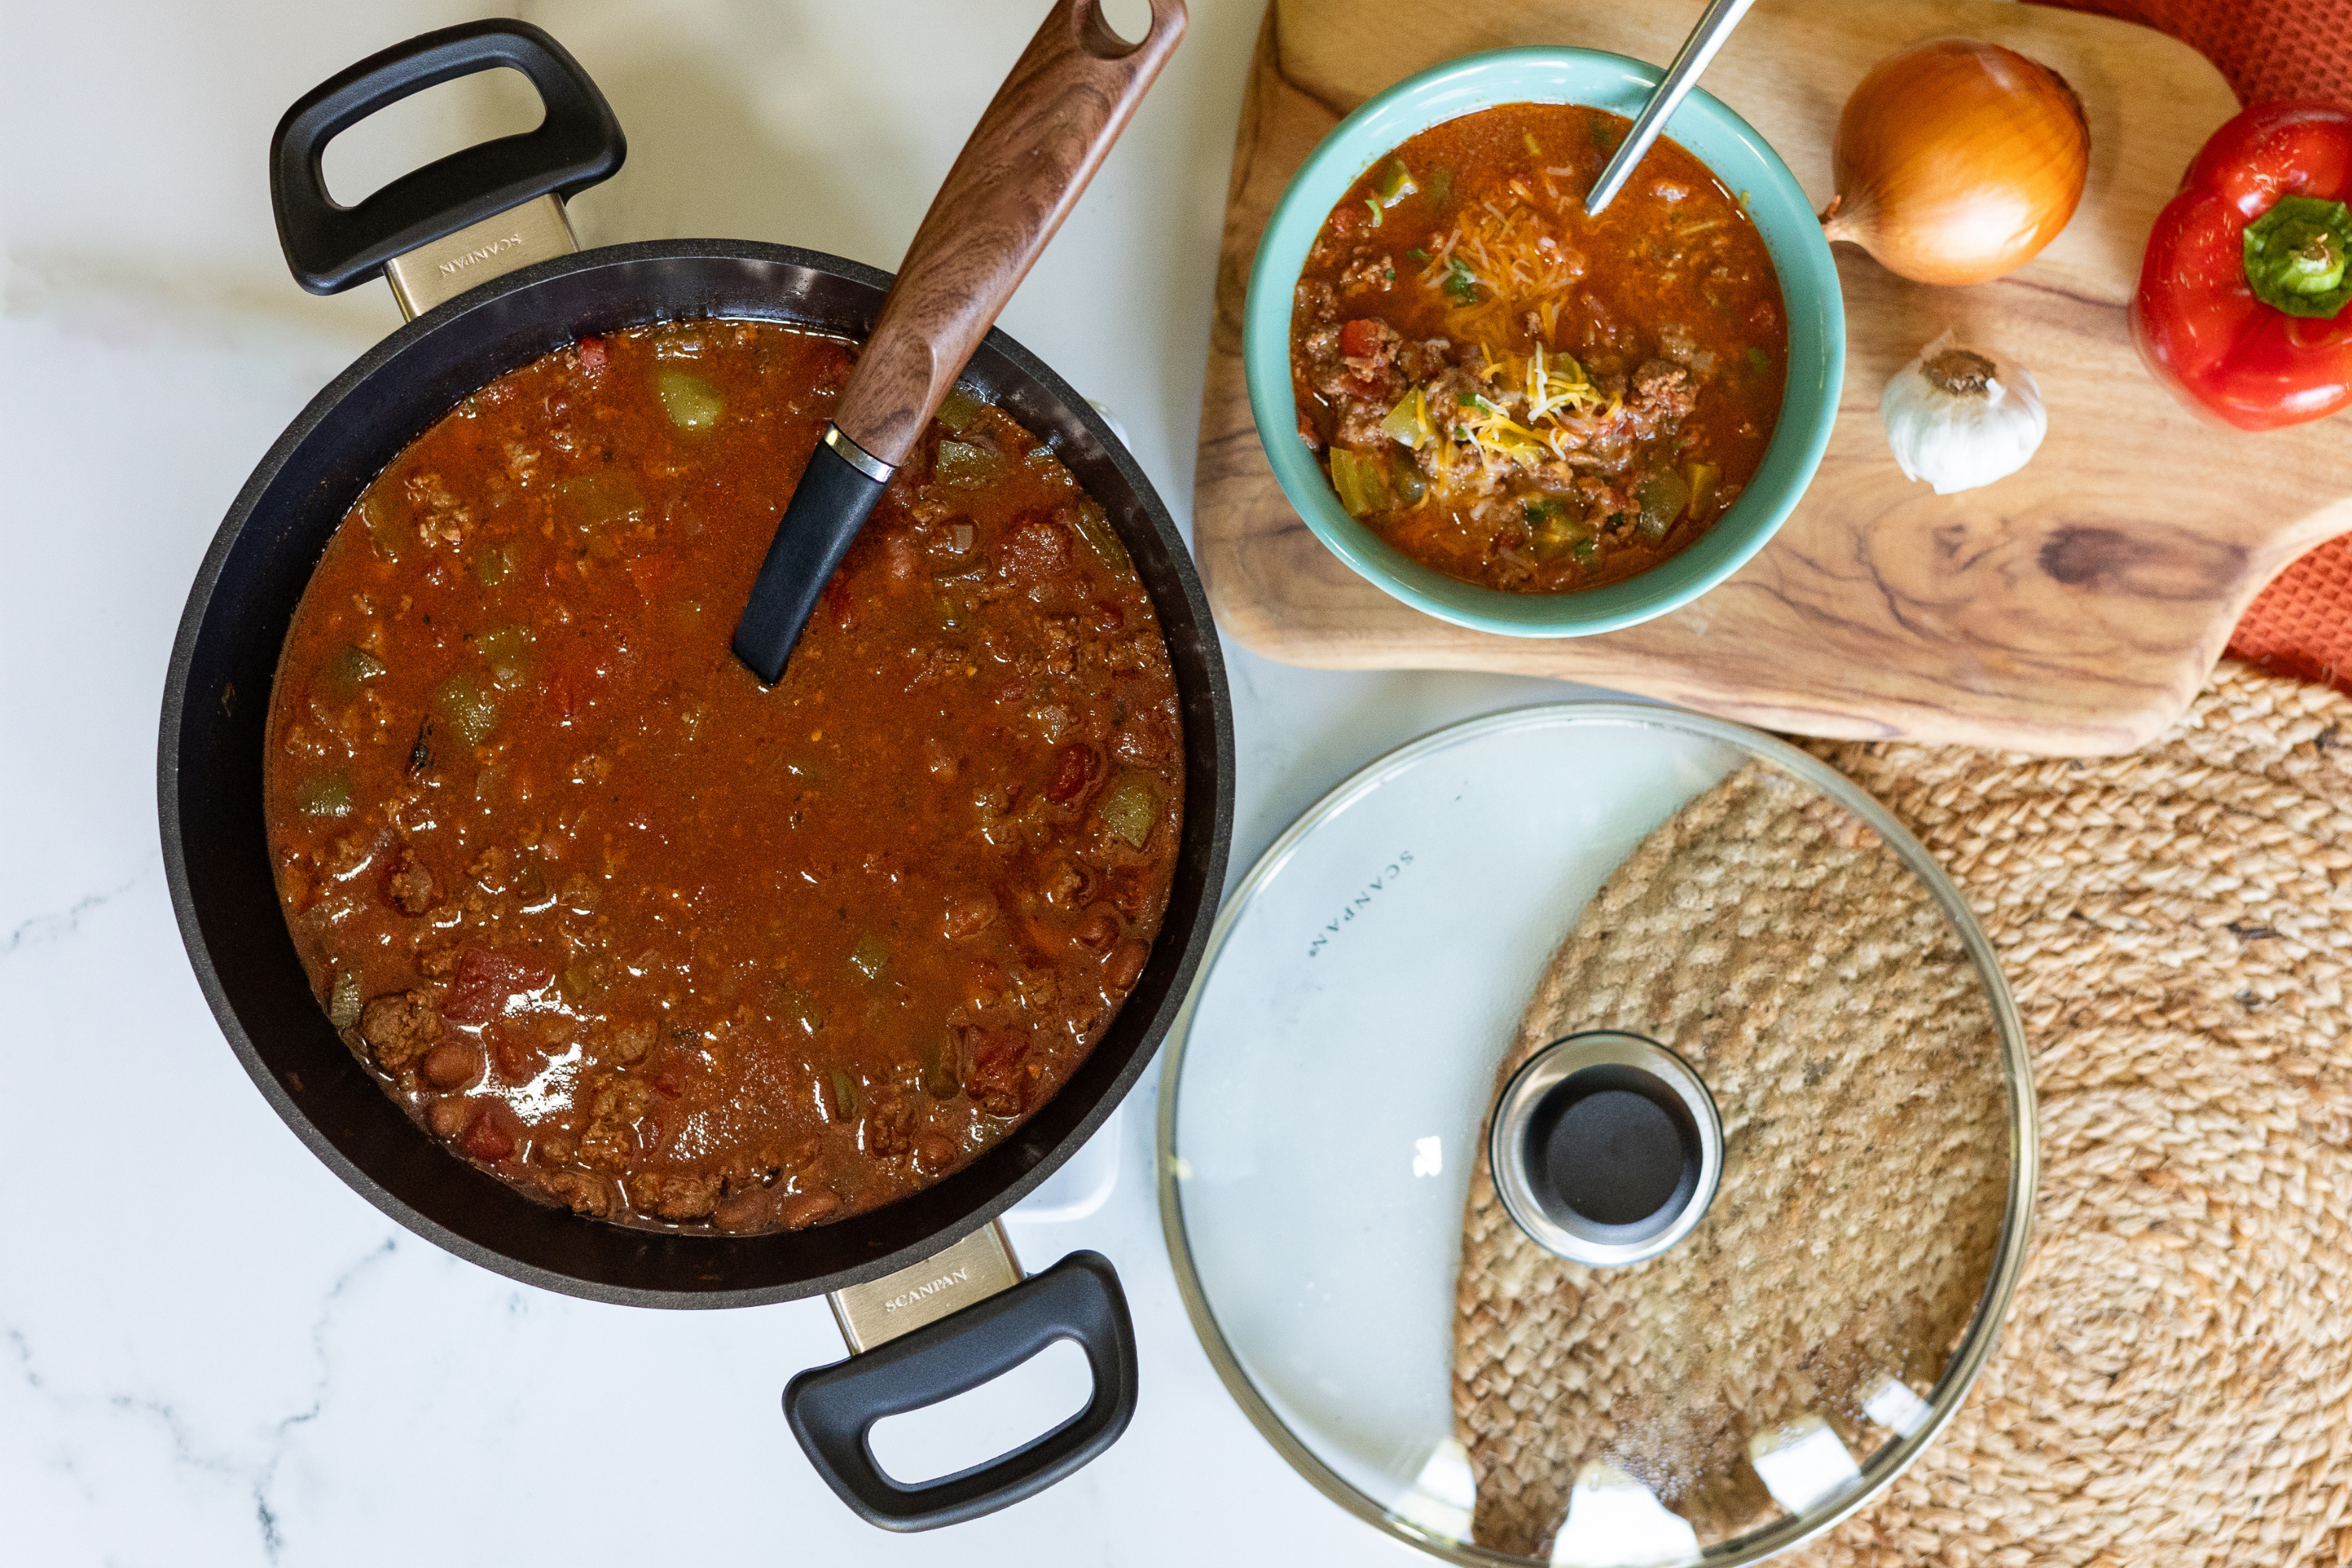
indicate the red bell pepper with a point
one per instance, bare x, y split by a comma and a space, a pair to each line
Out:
2242, 304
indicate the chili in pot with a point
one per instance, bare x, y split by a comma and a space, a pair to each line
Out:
559, 614
630, 930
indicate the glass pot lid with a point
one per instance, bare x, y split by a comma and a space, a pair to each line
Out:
1601, 1135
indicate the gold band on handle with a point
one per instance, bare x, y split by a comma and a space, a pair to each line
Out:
538, 230
972, 1270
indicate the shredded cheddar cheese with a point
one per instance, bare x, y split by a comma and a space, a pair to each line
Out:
1503, 262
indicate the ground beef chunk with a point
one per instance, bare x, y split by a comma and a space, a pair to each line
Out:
400, 1027
579, 1191
410, 885
629, 1042
1360, 415
1662, 393
1149, 739
1451, 391
1063, 882
352, 854
1316, 305
890, 1126
490, 868
1419, 362
969, 912
676, 1196
614, 1108
1038, 552
1353, 368
1360, 425
1001, 1076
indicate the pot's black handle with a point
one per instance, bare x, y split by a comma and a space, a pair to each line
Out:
832, 1408
331, 247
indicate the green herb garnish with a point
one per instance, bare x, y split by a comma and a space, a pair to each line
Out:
1460, 283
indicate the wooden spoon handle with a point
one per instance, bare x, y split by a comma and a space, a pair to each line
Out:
1069, 95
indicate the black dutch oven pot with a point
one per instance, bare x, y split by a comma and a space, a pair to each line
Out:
912, 1259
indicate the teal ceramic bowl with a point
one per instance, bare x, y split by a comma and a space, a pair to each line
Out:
1747, 165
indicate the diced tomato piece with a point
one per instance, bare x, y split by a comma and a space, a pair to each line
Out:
1000, 1079
1360, 339
569, 689
1109, 616
487, 980
1038, 551
491, 1137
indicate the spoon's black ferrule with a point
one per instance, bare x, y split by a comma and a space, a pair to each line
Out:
824, 515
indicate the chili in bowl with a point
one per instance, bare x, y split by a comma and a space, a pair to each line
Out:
1519, 418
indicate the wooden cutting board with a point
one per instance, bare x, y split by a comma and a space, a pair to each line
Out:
2074, 607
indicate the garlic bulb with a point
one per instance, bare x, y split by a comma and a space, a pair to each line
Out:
1958, 418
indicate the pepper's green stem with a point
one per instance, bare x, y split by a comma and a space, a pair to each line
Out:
2296, 255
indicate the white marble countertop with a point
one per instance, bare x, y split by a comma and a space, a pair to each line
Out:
213, 1352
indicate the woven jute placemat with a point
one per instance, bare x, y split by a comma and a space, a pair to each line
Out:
2174, 1383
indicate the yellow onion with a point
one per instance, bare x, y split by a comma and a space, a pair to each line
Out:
1958, 161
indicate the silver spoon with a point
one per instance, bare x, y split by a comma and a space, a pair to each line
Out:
1714, 25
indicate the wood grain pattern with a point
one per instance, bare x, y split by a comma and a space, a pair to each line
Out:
2075, 607
1040, 141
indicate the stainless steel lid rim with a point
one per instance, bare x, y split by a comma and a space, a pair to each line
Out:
2004, 1270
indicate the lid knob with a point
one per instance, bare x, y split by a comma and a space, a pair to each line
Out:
1606, 1148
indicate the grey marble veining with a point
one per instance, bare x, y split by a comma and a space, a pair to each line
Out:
211, 1352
